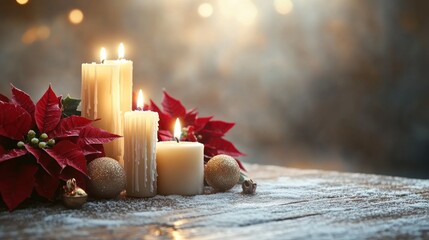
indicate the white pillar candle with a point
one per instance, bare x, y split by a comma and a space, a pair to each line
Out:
140, 137
180, 167
107, 95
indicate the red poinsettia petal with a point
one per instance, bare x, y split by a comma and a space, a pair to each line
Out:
88, 149
173, 106
209, 134
100, 149
3, 98
46, 184
43, 159
60, 103
166, 122
153, 107
93, 135
16, 181
209, 151
191, 138
224, 147
203, 129
190, 135
190, 117
165, 135
240, 165
11, 154
7, 143
49, 164
73, 139
33, 151
219, 127
22, 99
14, 121
67, 153
200, 123
48, 112
70, 126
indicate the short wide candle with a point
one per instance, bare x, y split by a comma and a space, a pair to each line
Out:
180, 167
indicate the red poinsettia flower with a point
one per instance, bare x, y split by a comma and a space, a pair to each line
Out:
195, 129
39, 148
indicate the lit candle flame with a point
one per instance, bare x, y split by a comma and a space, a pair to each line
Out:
177, 130
103, 54
140, 101
121, 51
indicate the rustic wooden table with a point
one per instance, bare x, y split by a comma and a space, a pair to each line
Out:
289, 204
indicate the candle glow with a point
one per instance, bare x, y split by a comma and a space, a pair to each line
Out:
121, 51
177, 130
140, 100
103, 54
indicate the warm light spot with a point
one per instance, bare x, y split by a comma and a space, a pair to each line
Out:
121, 51
176, 235
246, 12
226, 7
35, 33
283, 6
76, 16
29, 36
205, 10
140, 100
103, 54
22, 2
43, 32
177, 129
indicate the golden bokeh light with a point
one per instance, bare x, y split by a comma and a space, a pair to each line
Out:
35, 33
246, 12
205, 10
22, 2
76, 16
283, 6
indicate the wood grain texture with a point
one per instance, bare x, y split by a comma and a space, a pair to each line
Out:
289, 204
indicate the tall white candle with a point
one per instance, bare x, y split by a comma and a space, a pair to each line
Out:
140, 137
180, 166
107, 95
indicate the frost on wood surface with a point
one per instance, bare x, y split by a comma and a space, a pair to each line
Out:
289, 204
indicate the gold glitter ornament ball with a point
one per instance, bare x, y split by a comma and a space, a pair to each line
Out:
222, 172
106, 178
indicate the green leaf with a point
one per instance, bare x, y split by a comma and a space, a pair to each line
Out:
70, 106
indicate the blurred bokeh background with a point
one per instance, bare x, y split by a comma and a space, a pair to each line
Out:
338, 84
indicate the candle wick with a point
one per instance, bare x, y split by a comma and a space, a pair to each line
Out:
102, 61
177, 139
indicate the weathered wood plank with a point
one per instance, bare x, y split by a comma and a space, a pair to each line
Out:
289, 204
